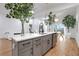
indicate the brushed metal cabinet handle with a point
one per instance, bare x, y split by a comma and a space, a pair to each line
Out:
26, 43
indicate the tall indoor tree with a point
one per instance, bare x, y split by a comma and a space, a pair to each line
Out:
20, 11
69, 21
51, 18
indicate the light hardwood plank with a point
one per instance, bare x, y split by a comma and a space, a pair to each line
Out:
68, 47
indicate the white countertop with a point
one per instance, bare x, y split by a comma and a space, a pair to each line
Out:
28, 36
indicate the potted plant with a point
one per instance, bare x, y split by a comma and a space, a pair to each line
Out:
20, 11
50, 19
69, 21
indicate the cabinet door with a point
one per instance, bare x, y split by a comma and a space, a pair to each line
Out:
25, 48
44, 45
54, 39
26, 52
49, 42
37, 47
25, 44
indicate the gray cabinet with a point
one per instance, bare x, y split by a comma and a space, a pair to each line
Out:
46, 43
26, 52
49, 42
54, 39
37, 47
25, 48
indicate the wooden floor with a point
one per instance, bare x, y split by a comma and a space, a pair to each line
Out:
5, 47
67, 47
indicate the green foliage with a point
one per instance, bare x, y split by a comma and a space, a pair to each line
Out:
51, 18
69, 21
19, 10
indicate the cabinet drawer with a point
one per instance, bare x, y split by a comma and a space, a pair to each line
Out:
37, 51
50, 36
54, 39
25, 44
26, 52
37, 47
37, 41
49, 44
25, 49
44, 45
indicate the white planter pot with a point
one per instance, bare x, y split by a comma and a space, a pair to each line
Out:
68, 35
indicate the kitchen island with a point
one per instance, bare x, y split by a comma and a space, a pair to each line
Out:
32, 44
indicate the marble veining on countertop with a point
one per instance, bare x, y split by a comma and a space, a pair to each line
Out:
27, 36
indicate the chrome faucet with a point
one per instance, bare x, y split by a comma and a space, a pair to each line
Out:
41, 29
30, 28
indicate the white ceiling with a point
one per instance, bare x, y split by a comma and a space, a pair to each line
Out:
42, 9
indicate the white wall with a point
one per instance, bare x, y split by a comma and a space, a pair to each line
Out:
6, 24
77, 19
9, 25
62, 13
75, 12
